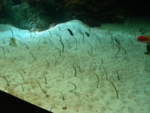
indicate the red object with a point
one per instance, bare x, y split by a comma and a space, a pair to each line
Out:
143, 38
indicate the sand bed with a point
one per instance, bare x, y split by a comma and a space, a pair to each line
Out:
82, 73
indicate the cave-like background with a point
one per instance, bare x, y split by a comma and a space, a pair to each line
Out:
41, 14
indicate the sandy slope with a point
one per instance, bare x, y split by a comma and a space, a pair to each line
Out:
39, 72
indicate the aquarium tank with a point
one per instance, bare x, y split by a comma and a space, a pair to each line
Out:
76, 56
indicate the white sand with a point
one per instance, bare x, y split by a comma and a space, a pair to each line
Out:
41, 76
